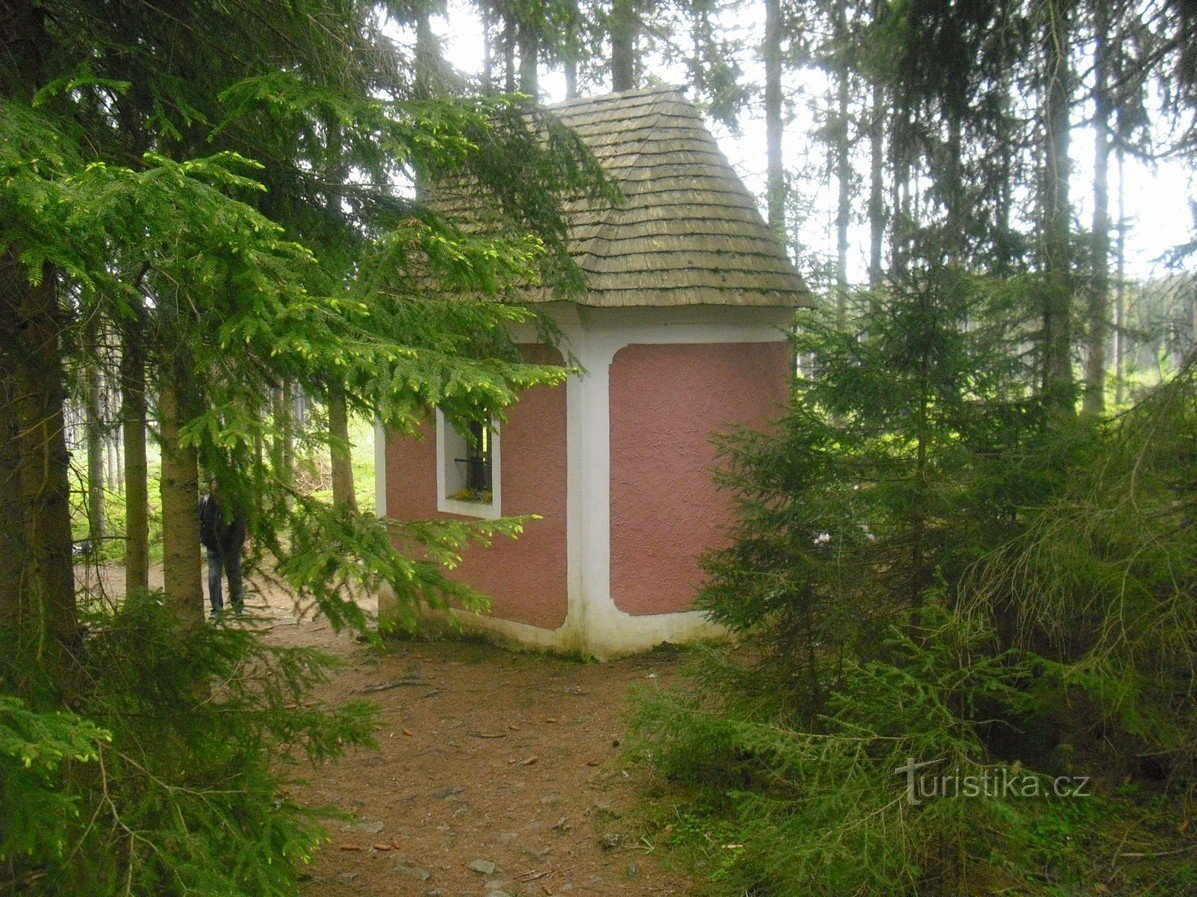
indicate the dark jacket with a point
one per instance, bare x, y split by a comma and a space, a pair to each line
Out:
219, 532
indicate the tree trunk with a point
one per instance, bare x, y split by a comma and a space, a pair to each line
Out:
12, 518
116, 469
843, 165
623, 26
1099, 288
180, 496
35, 490
509, 51
488, 51
1004, 198
276, 432
112, 449
1056, 214
31, 370
133, 424
95, 440
283, 449
287, 423
775, 166
954, 199
529, 56
1120, 287
38, 587
903, 142
876, 187
899, 219
426, 57
571, 76
342, 452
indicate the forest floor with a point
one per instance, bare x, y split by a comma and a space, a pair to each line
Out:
497, 773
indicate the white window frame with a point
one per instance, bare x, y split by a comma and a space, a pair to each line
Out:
450, 445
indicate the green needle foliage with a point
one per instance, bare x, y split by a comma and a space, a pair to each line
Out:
1102, 586
174, 777
827, 809
857, 518
38, 813
929, 567
228, 192
878, 482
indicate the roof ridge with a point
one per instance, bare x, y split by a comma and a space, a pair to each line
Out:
621, 95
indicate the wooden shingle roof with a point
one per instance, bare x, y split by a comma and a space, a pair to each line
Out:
689, 232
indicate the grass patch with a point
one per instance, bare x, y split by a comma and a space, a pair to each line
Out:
315, 479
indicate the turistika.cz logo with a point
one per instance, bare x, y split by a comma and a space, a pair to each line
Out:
994, 783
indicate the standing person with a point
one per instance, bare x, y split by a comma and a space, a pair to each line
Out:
223, 535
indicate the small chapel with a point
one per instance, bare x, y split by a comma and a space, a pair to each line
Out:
681, 334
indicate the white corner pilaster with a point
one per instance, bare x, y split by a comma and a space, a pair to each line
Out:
380, 468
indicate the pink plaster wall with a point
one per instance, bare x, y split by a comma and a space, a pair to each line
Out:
666, 402
526, 579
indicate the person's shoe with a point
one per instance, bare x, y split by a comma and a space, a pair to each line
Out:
216, 614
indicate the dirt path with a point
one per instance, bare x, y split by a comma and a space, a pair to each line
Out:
498, 773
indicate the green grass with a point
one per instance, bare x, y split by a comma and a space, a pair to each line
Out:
361, 437
113, 547
314, 473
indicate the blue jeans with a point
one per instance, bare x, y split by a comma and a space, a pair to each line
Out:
228, 563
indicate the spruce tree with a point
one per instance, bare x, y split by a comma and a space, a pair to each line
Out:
131, 197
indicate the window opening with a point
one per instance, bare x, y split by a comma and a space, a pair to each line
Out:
468, 467
477, 463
